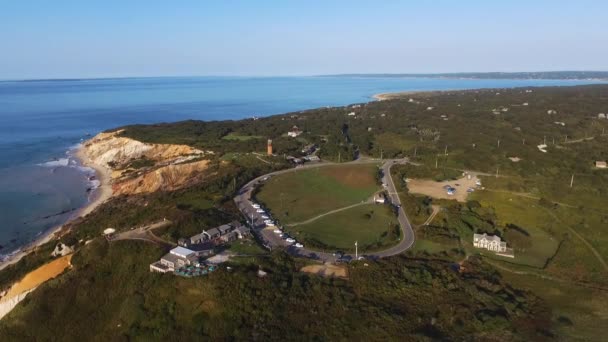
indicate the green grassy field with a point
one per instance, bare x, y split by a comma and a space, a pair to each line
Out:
240, 137
301, 195
372, 225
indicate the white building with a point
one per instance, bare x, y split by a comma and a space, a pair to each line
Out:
178, 257
601, 164
601, 116
489, 242
295, 131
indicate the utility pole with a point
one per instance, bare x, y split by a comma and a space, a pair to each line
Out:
356, 251
545, 140
381, 154
523, 142
553, 141
497, 172
572, 180
445, 153
436, 159
339, 159
566, 140
415, 150
498, 143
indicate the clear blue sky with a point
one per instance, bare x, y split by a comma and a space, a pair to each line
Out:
59, 39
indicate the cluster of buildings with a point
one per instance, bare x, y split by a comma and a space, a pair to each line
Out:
191, 251
492, 243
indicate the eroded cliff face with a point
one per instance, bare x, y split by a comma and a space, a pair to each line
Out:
165, 178
165, 167
115, 151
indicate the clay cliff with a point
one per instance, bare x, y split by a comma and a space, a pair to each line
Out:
138, 167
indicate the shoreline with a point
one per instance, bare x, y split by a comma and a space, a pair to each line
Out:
99, 195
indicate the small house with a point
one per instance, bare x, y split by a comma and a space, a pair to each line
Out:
242, 231
225, 229
295, 131
212, 233
601, 164
601, 116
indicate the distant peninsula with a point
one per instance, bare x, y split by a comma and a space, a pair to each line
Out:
547, 75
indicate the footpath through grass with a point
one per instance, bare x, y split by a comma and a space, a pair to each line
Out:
303, 194
373, 226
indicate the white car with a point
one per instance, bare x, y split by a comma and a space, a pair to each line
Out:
265, 217
269, 222
290, 240
278, 231
260, 211
299, 245
255, 206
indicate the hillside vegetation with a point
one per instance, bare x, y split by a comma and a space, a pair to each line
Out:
555, 287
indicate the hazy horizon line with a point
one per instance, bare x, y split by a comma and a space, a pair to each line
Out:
403, 74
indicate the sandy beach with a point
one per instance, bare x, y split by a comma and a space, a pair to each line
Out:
389, 96
97, 197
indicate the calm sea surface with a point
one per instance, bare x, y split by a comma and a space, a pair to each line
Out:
40, 121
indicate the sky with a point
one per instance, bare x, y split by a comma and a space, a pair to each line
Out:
73, 39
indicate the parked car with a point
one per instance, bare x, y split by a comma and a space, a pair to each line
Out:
277, 231
255, 206
265, 217
470, 190
290, 240
260, 211
299, 245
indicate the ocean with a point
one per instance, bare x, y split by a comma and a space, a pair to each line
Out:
43, 121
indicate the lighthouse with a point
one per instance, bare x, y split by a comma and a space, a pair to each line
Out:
269, 147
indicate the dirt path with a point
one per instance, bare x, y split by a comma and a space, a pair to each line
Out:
39, 276
329, 213
326, 270
436, 209
580, 237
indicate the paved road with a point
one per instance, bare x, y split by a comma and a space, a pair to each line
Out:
272, 240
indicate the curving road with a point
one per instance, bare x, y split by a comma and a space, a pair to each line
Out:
272, 240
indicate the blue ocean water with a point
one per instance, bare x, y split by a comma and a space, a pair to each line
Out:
41, 120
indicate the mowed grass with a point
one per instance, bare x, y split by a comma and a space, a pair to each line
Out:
371, 225
304, 194
544, 231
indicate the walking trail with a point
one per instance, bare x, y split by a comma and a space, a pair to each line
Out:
329, 213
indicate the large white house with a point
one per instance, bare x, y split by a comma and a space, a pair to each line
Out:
489, 242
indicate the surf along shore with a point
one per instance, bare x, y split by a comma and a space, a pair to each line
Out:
99, 195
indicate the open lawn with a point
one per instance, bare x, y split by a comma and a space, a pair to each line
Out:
372, 225
301, 195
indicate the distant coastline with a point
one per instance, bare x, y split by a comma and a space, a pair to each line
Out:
533, 75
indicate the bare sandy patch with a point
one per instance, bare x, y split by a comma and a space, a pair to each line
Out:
356, 176
39, 276
326, 270
435, 189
